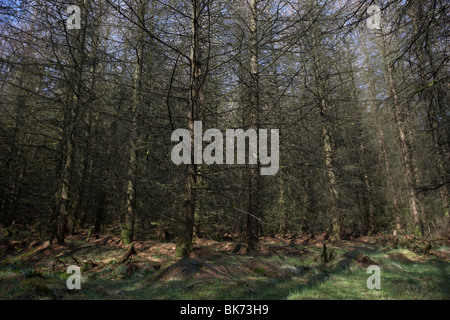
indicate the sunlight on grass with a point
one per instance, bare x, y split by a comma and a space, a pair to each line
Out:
302, 275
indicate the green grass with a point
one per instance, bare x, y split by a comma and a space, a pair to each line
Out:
307, 277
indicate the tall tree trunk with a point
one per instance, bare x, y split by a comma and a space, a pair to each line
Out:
14, 165
408, 164
99, 212
321, 77
279, 120
253, 214
384, 158
367, 187
387, 168
71, 114
86, 163
130, 211
328, 150
409, 171
66, 175
428, 95
184, 244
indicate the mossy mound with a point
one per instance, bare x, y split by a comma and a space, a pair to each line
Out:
404, 255
188, 268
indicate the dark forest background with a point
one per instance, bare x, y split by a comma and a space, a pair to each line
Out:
86, 117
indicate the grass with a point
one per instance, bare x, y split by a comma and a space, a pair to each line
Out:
295, 276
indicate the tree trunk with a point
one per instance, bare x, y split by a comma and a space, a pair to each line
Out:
71, 114
384, 158
253, 213
328, 150
130, 212
387, 168
409, 171
184, 243
428, 94
367, 188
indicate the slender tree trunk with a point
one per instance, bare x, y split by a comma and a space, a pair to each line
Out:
428, 95
384, 158
321, 76
100, 212
367, 187
64, 193
130, 212
409, 171
253, 214
387, 168
14, 165
368, 198
184, 244
86, 163
411, 181
71, 114
328, 150
279, 120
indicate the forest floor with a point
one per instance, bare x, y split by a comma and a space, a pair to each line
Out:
284, 269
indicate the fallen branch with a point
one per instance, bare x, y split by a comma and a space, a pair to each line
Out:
130, 252
277, 253
365, 261
214, 269
237, 248
105, 241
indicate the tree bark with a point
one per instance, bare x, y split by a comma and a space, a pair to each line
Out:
387, 168
130, 212
254, 183
409, 171
184, 243
73, 88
